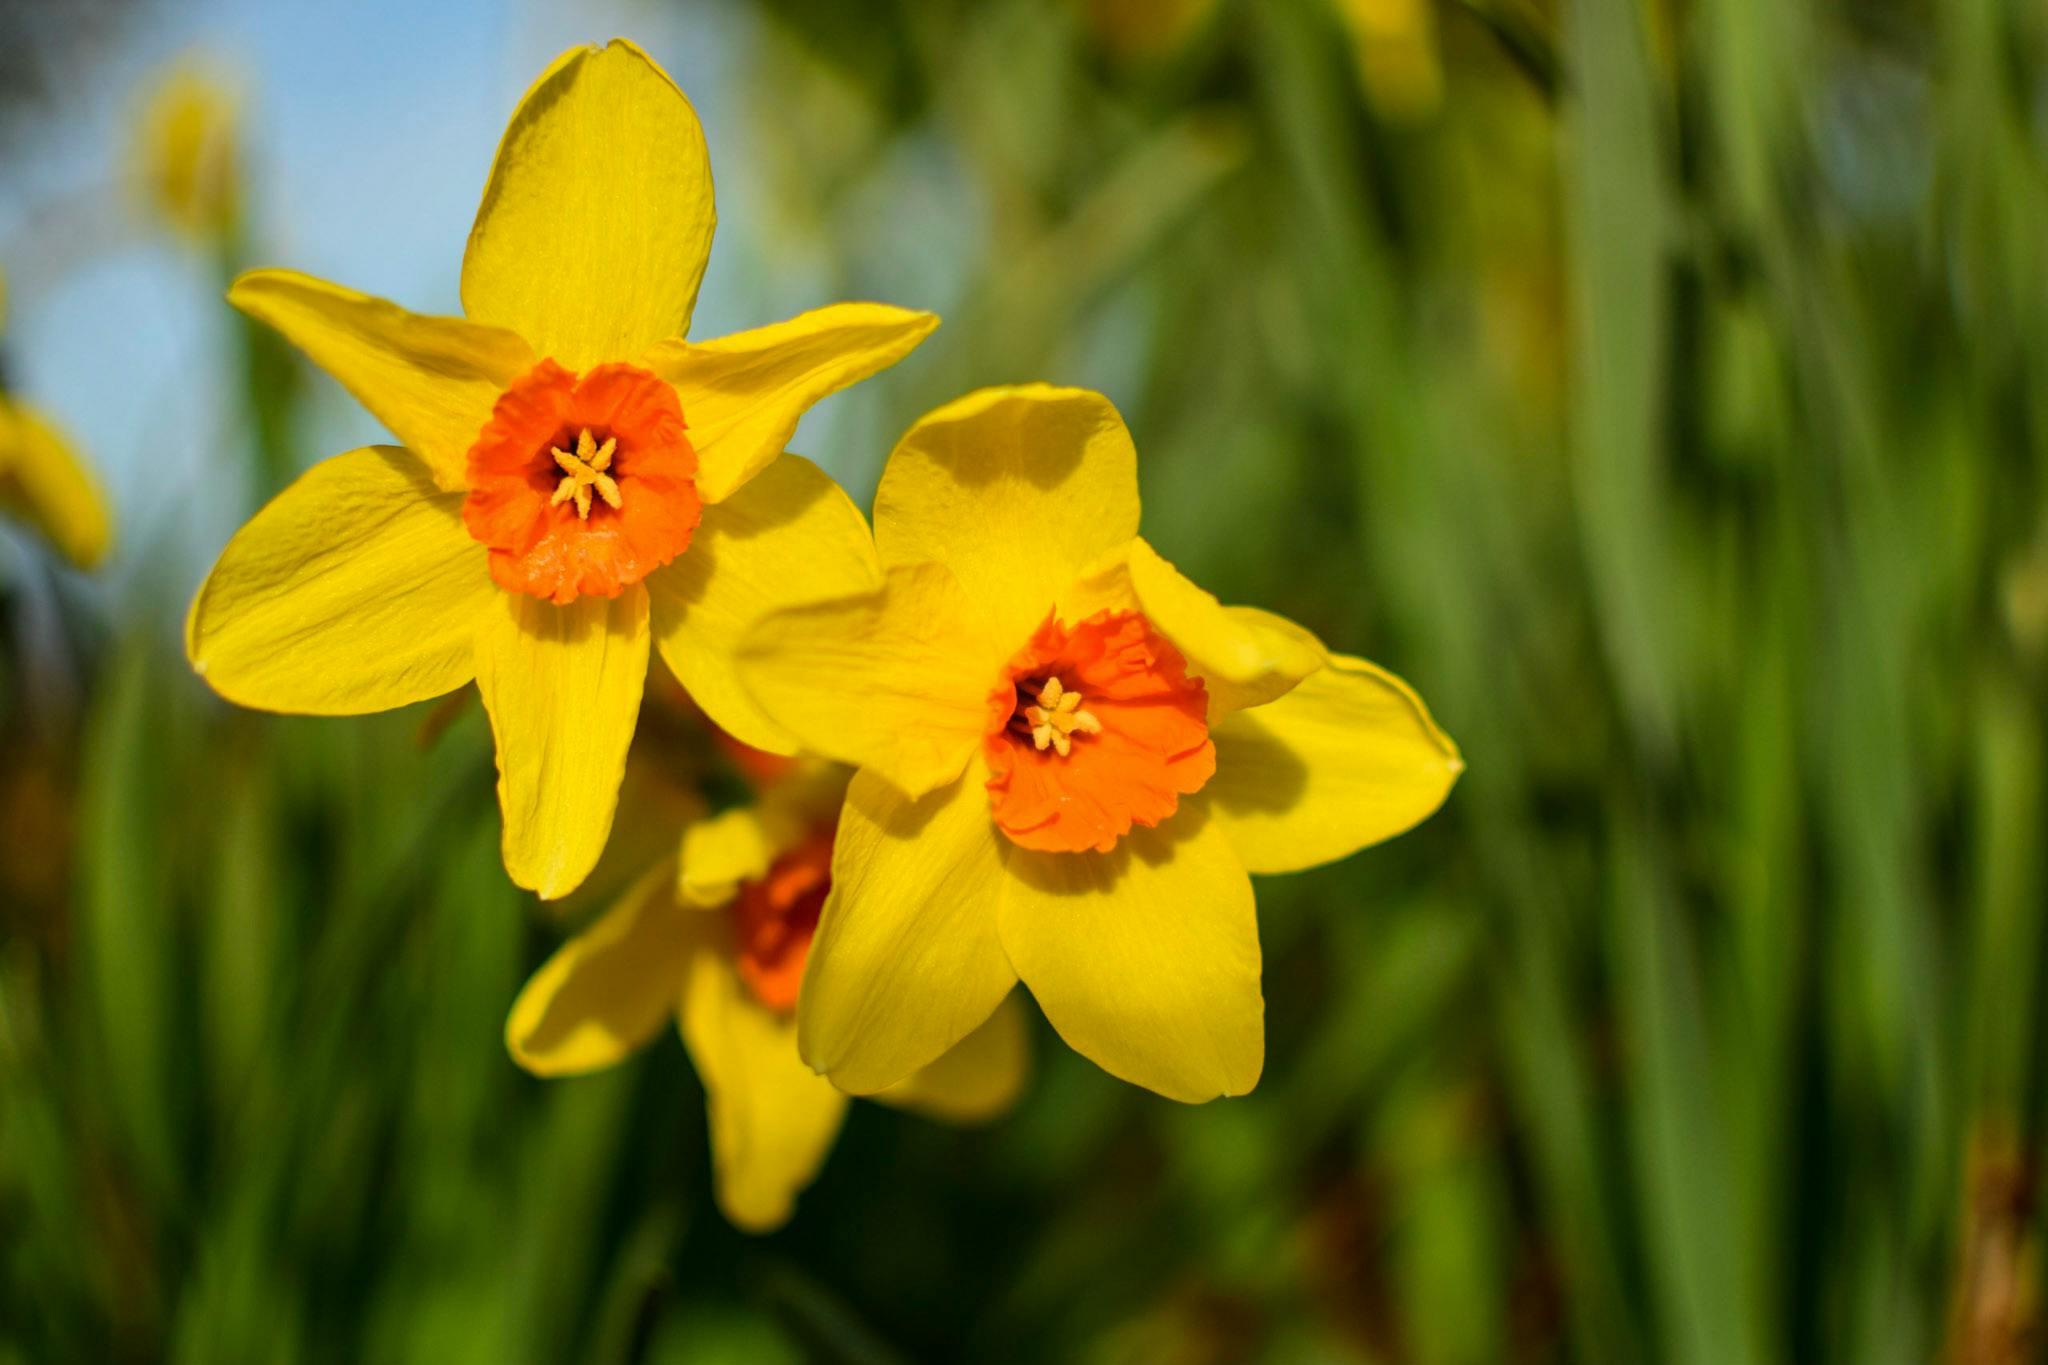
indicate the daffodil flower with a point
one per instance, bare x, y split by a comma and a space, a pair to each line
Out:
720, 947
1070, 757
577, 481
45, 483
186, 155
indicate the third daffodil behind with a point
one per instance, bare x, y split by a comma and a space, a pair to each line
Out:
577, 480
1070, 757
718, 942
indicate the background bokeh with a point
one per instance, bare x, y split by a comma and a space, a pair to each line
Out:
1658, 386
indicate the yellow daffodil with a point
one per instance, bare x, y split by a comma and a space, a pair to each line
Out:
186, 159
577, 480
1070, 757
43, 480
721, 948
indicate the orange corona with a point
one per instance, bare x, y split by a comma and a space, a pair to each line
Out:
1094, 728
775, 918
582, 486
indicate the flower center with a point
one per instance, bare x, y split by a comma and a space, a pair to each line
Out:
582, 484
1055, 718
1093, 728
583, 469
775, 918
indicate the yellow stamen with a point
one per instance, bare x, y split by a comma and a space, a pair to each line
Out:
1057, 717
584, 469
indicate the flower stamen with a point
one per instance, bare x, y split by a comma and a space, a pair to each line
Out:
584, 469
1057, 718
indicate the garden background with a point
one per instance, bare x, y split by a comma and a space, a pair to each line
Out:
1659, 387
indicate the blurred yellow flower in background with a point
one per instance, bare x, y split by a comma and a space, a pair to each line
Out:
720, 947
44, 481
578, 482
1395, 46
1070, 758
186, 160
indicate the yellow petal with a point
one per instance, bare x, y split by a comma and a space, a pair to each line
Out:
896, 681
1017, 490
355, 590
1348, 758
772, 1119
610, 988
1244, 656
719, 853
742, 843
1146, 959
562, 685
907, 961
45, 482
431, 380
597, 220
790, 537
743, 394
979, 1079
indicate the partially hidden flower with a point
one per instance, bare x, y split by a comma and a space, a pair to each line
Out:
44, 481
720, 947
1070, 757
578, 482
186, 159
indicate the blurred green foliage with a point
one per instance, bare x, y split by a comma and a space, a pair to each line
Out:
1662, 396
